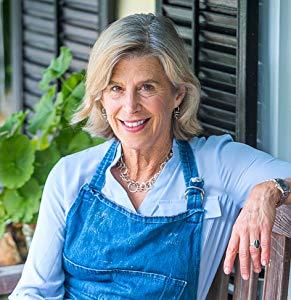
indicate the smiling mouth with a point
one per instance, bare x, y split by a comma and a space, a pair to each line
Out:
135, 125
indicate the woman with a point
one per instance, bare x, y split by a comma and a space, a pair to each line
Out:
129, 219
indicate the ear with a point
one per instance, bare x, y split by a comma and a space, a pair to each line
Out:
180, 94
101, 98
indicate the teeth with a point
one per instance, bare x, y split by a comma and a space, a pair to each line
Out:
134, 124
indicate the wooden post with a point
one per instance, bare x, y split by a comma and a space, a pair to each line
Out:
277, 273
245, 289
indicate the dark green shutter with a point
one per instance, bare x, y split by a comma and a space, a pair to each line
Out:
222, 44
41, 27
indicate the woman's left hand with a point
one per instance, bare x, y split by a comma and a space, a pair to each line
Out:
254, 222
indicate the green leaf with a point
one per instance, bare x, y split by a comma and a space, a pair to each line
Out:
44, 112
31, 194
44, 161
3, 217
21, 205
57, 68
73, 139
70, 84
16, 161
73, 90
41, 142
13, 124
79, 142
14, 205
2, 210
70, 108
97, 141
2, 228
63, 139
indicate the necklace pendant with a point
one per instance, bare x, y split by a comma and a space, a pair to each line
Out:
132, 187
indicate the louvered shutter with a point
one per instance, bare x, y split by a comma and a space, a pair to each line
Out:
221, 40
41, 27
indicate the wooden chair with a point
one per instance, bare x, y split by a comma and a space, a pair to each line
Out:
276, 279
275, 285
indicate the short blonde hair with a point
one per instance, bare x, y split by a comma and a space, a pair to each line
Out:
139, 35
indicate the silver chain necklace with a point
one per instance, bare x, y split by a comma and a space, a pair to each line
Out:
144, 186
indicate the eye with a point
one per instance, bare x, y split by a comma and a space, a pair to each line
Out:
115, 88
147, 87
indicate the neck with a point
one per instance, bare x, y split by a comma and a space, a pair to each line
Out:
142, 164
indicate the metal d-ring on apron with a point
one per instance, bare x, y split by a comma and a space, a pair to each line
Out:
113, 253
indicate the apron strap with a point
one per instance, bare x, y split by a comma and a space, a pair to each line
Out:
98, 179
194, 184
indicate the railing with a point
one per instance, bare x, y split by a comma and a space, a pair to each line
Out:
9, 276
274, 286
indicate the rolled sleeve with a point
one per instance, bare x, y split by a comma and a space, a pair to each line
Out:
241, 167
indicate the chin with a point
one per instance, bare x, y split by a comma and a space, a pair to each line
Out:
136, 145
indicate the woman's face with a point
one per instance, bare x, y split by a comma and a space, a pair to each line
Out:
139, 102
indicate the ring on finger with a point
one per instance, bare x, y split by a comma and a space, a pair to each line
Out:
256, 244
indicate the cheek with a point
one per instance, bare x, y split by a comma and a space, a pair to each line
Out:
109, 106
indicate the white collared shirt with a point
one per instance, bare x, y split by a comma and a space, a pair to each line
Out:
229, 170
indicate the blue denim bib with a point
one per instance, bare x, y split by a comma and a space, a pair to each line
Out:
112, 253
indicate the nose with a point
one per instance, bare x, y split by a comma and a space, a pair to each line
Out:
131, 102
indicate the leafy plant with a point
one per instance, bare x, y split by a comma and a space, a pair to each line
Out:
31, 142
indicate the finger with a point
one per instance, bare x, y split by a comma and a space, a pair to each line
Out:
265, 245
231, 252
244, 256
255, 252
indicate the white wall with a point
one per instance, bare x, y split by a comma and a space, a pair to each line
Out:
274, 111
127, 7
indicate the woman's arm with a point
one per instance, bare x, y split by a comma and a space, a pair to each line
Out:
43, 276
243, 172
255, 222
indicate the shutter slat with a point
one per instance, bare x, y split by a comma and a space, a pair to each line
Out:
217, 76
81, 35
178, 13
83, 5
37, 56
31, 86
187, 3
218, 115
217, 40
228, 6
221, 96
38, 25
185, 32
37, 40
212, 129
217, 59
32, 70
30, 99
79, 18
78, 65
38, 9
218, 22
79, 50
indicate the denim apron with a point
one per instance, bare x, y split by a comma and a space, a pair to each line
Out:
113, 253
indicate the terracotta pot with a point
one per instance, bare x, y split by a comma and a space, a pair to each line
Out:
15, 243
9, 254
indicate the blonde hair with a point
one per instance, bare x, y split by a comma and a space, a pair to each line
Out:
139, 35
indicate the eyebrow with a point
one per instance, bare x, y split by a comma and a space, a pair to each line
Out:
143, 81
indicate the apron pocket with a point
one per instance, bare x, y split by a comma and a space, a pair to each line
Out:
120, 284
144, 285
